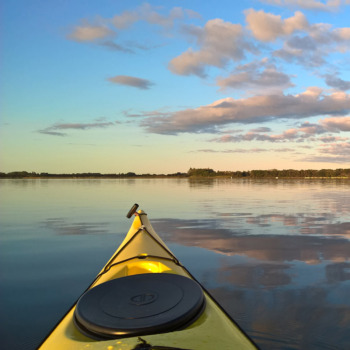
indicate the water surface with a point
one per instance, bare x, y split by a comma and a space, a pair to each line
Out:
274, 253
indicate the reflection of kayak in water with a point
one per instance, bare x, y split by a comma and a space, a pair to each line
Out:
145, 299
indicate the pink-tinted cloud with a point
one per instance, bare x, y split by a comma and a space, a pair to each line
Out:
339, 160
330, 139
211, 118
301, 133
125, 19
237, 150
313, 46
331, 152
261, 76
151, 14
288, 135
268, 27
314, 5
88, 33
219, 42
311, 128
337, 149
246, 150
103, 30
337, 123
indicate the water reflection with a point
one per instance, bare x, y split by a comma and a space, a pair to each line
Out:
338, 272
280, 248
289, 318
286, 291
60, 226
288, 220
201, 183
275, 253
257, 275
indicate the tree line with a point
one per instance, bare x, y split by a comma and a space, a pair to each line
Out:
26, 174
195, 173
272, 173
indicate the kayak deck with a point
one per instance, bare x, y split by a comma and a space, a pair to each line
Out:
141, 254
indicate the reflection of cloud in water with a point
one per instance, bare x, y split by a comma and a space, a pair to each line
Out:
288, 220
61, 227
334, 201
258, 275
288, 318
338, 272
288, 291
278, 248
315, 225
340, 229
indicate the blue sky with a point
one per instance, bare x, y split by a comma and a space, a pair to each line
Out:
161, 86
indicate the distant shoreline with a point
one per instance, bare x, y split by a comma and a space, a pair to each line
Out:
140, 177
193, 173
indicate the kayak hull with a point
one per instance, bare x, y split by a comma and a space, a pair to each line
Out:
143, 254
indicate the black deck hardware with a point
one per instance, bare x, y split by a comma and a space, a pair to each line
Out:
138, 305
132, 211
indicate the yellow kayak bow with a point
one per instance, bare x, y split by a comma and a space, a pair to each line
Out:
145, 299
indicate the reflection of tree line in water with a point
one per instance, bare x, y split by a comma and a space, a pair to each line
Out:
198, 173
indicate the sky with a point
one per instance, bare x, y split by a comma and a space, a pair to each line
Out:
116, 86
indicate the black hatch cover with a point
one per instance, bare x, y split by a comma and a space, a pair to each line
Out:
138, 305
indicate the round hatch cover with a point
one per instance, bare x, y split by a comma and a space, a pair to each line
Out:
138, 305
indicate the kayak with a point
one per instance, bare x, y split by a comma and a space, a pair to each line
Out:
144, 298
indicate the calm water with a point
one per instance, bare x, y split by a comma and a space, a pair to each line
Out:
275, 254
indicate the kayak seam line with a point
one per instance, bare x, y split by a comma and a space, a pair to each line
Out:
160, 244
141, 228
137, 257
209, 295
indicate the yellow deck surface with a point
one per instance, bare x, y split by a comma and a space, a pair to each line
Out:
143, 251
